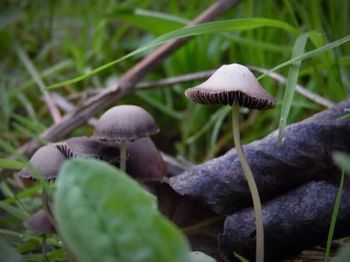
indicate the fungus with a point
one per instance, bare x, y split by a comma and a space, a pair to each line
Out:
39, 223
144, 161
89, 147
47, 160
235, 85
125, 123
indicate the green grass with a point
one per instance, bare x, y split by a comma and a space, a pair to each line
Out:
60, 40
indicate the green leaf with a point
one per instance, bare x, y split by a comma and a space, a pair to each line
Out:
104, 215
291, 82
11, 164
334, 218
8, 253
197, 256
240, 258
343, 161
343, 255
195, 30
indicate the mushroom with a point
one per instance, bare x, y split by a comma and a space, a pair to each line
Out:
235, 85
39, 223
47, 160
144, 161
123, 124
89, 147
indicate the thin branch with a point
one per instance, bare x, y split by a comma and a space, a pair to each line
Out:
68, 107
126, 83
176, 79
205, 74
298, 88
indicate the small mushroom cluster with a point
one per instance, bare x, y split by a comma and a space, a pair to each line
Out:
122, 135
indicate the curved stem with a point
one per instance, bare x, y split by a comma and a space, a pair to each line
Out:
123, 144
252, 186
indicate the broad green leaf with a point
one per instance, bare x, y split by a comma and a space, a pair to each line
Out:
104, 215
343, 255
343, 161
291, 82
201, 29
8, 253
11, 164
197, 256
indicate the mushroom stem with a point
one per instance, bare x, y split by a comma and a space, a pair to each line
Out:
123, 144
251, 183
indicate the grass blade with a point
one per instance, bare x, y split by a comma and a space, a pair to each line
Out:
201, 29
334, 217
291, 82
11, 164
309, 54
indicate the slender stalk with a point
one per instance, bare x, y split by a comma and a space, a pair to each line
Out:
44, 249
123, 144
251, 183
334, 217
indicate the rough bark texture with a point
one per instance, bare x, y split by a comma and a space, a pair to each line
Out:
305, 155
293, 222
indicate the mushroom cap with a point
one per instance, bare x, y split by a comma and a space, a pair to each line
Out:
47, 160
144, 160
39, 223
125, 122
231, 84
89, 147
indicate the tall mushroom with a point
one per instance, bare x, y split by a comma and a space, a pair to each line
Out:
123, 124
235, 85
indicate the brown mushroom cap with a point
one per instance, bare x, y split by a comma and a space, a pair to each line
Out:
39, 223
47, 160
144, 160
125, 122
231, 84
89, 147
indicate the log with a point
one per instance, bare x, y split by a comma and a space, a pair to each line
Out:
305, 155
293, 222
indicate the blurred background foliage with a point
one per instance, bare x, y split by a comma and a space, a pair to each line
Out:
67, 38
63, 39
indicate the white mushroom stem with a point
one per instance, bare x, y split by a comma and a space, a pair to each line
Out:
251, 183
123, 145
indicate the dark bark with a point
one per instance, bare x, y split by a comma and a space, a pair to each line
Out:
305, 155
293, 222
